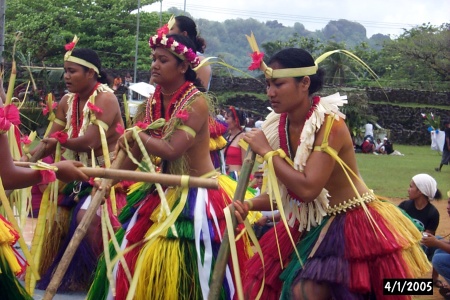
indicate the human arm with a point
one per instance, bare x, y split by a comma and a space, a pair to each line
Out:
2, 91
433, 222
204, 74
180, 141
431, 241
319, 166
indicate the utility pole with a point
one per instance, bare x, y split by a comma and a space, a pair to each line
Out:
137, 41
185, 6
2, 28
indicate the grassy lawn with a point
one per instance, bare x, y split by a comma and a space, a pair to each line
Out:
390, 176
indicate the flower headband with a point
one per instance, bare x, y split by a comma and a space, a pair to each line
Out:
179, 50
258, 63
68, 56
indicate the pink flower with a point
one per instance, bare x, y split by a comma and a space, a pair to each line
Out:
8, 115
183, 115
25, 140
47, 176
120, 129
61, 136
94, 108
163, 30
142, 125
45, 110
69, 46
257, 58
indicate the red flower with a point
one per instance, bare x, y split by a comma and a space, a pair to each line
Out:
257, 58
183, 115
69, 46
94, 108
142, 125
163, 30
45, 110
8, 115
61, 136
47, 176
25, 140
120, 129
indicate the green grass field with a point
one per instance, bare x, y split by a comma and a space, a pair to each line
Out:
390, 176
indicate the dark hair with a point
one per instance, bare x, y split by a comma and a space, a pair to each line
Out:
190, 74
187, 24
298, 58
92, 57
242, 117
438, 195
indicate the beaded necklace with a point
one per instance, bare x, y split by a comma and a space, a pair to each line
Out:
76, 118
283, 131
154, 106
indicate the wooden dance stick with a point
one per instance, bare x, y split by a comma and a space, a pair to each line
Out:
164, 179
224, 252
80, 232
39, 153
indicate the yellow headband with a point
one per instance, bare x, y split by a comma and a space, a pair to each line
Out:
68, 57
299, 72
279, 73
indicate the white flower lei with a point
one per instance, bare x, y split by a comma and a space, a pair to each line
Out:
312, 213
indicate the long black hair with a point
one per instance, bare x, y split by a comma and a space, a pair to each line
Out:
187, 24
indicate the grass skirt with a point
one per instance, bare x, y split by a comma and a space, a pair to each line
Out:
355, 254
171, 268
11, 264
352, 256
80, 272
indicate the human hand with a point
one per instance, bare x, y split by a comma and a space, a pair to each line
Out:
68, 170
98, 187
263, 221
49, 143
428, 240
129, 138
240, 211
257, 141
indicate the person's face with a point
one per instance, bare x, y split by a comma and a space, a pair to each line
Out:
165, 67
285, 93
413, 191
259, 180
230, 120
176, 30
76, 77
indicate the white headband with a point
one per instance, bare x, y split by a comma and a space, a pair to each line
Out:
426, 185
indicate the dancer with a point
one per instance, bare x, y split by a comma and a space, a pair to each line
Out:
186, 26
12, 177
234, 154
337, 239
171, 259
85, 126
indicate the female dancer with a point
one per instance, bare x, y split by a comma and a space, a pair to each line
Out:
234, 154
336, 238
85, 126
172, 235
12, 177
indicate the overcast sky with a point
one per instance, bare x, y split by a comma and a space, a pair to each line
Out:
381, 16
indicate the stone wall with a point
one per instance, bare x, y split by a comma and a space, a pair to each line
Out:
405, 124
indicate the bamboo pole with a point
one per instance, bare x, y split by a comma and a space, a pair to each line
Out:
224, 251
164, 179
80, 232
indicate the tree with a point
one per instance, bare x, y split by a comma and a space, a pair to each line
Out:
107, 26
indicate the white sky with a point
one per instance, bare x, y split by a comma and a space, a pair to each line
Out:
381, 16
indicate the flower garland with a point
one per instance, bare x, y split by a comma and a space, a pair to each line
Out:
180, 50
76, 118
9, 115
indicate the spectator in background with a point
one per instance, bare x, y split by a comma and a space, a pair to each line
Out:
117, 83
441, 257
422, 189
128, 80
378, 145
446, 149
387, 147
367, 146
259, 123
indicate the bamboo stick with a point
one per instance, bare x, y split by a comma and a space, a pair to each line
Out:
80, 232
164, 179
224, 251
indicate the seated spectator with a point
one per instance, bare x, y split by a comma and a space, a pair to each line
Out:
422, 189
367, 146
387, 147
378, 145
441, 258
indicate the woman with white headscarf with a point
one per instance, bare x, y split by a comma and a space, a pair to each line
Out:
422, 189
